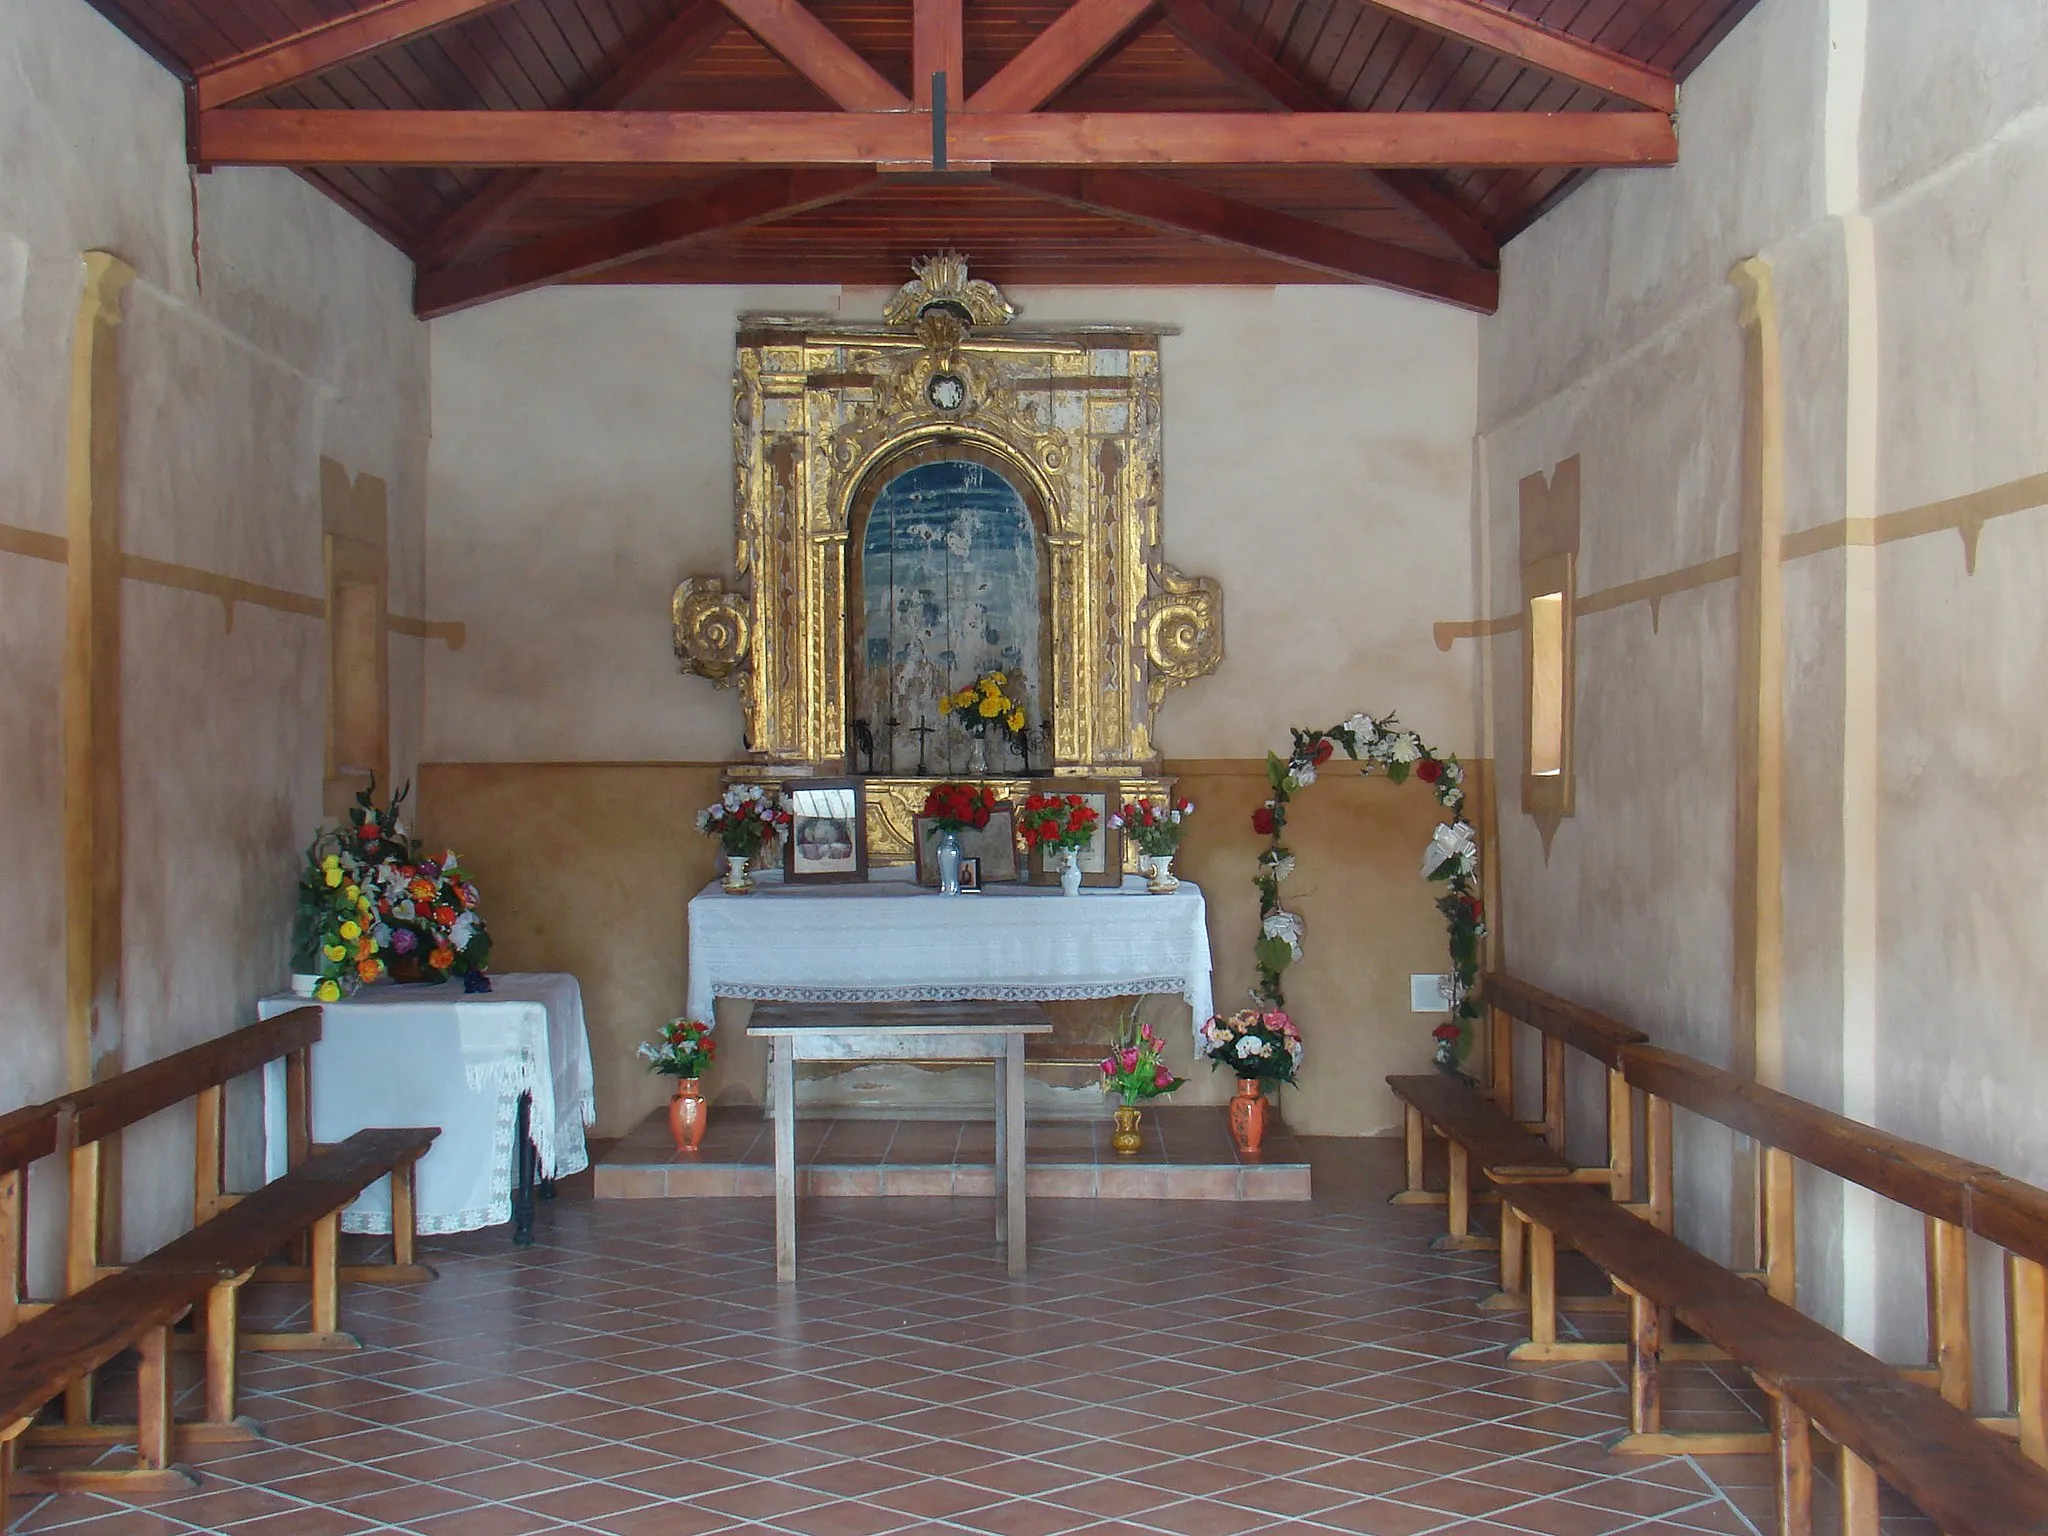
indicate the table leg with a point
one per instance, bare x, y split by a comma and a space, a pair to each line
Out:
523, 1171
1002, 1066
1013, 1148
782, 1068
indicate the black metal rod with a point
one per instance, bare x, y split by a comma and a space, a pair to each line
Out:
938, 119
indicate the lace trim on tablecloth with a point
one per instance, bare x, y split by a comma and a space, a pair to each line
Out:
964, 992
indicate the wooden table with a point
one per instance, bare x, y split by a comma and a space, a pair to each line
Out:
901, 1031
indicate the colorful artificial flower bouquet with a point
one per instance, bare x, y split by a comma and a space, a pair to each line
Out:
983, 703
1135, 1067
1255, 1043
425, 909
684, 1048
332, 938
1065, 823
959, 807
371, 902
747, 819
1154, 825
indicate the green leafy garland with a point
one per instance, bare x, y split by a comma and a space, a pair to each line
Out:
1452, 858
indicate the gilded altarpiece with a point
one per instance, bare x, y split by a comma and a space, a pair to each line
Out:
826, 414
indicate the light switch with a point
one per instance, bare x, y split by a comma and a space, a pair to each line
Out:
1429, 994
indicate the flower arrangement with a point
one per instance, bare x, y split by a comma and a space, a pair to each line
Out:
1154, 825
746, 820
1452, 857
1256, 1043
684, 1048
1135, 1067
1065, 823
370, 902
983, 703
959, 807
332, 932
425, 910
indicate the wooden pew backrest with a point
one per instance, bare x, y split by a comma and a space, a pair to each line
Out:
1594, 1034
135, 1095
1932, 1182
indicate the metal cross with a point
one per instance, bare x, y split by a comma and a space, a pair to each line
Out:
921, 731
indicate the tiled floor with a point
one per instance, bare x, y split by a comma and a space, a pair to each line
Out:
1166, 1369
1187, 1155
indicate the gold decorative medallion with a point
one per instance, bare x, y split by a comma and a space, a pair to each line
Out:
710, 629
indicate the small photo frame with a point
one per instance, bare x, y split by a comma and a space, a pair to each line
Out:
1102, 861
970, 876
993, 847
827, 840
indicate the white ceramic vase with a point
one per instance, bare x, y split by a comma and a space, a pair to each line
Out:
949, 863
1162, 880
738, 882
1070, 872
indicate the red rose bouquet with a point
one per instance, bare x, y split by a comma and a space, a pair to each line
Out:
1154, 825
1061, 822
959, 807
1136, 1068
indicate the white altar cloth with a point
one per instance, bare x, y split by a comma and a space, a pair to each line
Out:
889, 941
434, 1055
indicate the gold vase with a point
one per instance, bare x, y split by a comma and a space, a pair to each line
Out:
1127, 1142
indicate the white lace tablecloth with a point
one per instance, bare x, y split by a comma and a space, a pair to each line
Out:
434, 1055
888, 941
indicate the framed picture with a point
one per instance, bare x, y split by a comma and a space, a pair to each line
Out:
970, 876
994, 848
1102, 861
827, 839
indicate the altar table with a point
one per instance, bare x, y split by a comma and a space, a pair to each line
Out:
889, 941
475, 1064
901, 1032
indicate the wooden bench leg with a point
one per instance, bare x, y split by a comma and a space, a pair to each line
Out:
1859, 1495
1543, 1343
1794, 1434
2027, 1298
1412, 1131
153, 1402
404, 1215
1646, 1331
323, 1331
1514, 1285
1458, 1235
153, 1471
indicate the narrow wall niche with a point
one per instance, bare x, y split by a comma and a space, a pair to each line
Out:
1549, 562
354, 517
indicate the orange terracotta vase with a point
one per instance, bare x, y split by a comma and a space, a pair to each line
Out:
688, 1113
1249, 1114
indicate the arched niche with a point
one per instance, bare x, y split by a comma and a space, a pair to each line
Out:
949, 577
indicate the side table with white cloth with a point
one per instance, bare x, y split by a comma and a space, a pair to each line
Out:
889, 940
506, 1074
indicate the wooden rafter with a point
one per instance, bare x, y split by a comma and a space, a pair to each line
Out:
819, 54
1466, 139
1086, 30
315, 50
937, 45
1229, 49
466, 226
1501, 31
1159, 202
756, 197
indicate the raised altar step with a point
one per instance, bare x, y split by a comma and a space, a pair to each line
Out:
1187, 1156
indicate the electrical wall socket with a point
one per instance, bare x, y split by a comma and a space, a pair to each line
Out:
1429, 994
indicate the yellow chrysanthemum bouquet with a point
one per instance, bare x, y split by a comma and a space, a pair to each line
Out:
986, 704
331, 937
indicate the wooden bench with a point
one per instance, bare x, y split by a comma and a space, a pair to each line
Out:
1970, 1481
1914, 1427
1478, 1125
47, 1349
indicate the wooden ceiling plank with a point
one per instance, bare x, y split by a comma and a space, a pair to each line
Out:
740, 203
1059, 55
1159, 202
328, 46
819, 54
233, 136
1501, 31
938, 43
683, 38
1226, 46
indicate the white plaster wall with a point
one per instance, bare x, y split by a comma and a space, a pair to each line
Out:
1618, 340
1317, 462
290, 338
